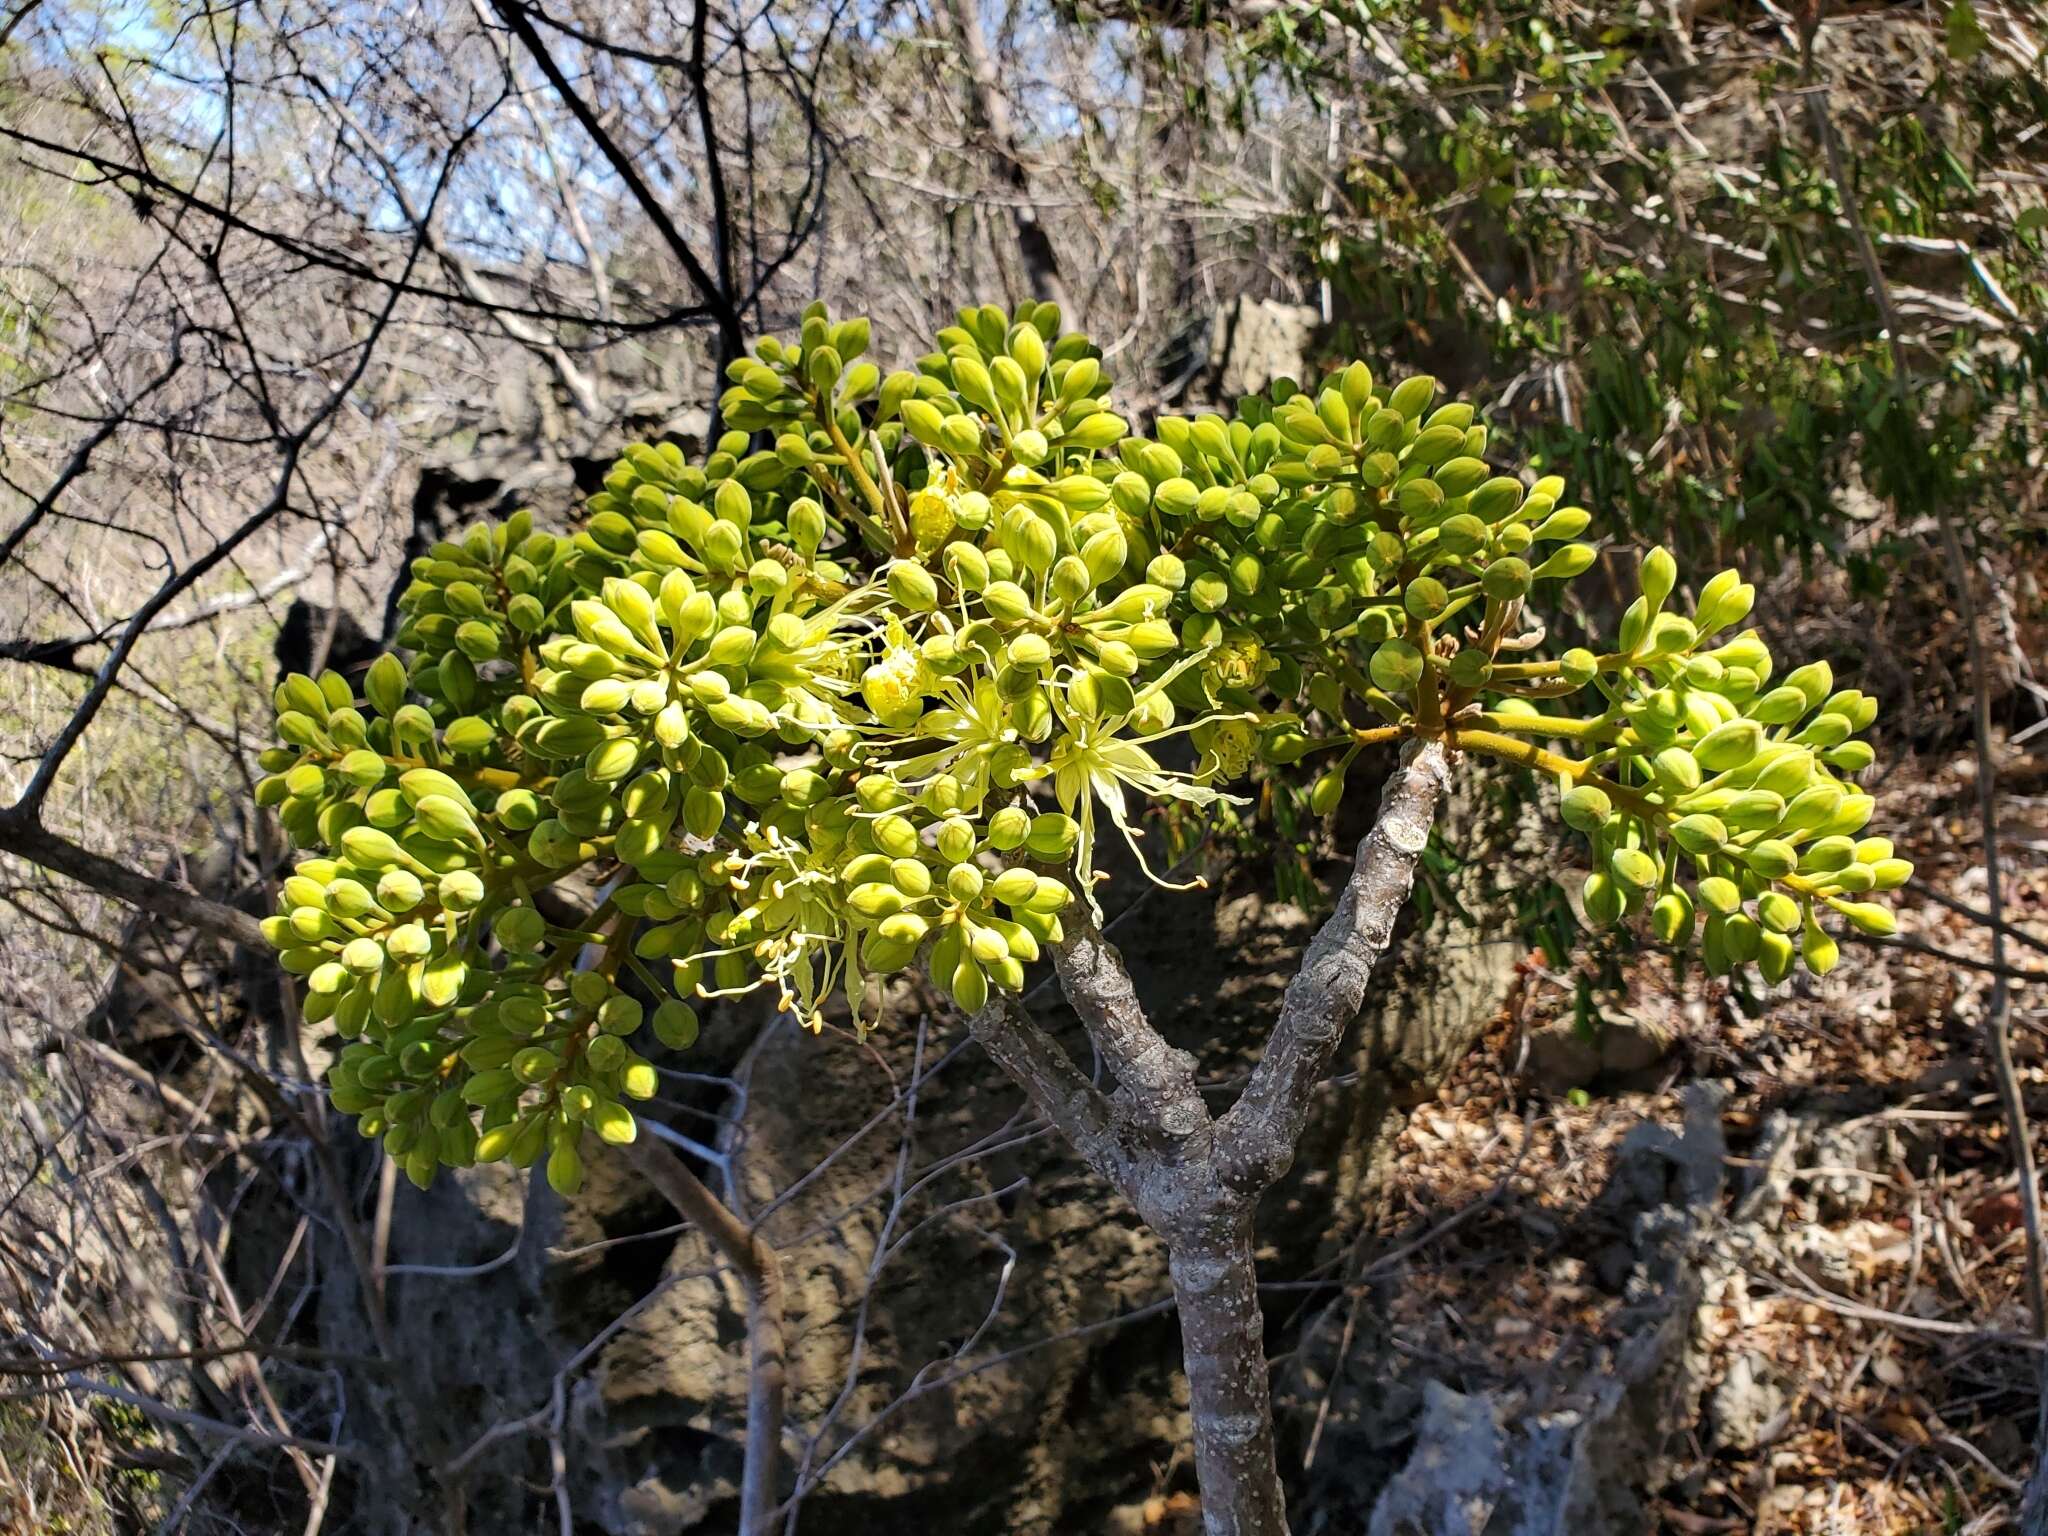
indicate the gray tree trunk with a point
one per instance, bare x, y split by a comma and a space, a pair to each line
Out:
990, 109
1222, 1333
1196, 1179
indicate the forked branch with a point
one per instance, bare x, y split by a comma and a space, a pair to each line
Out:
1257, 1137
1056, 1087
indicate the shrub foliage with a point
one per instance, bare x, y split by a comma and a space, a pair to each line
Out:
873, 695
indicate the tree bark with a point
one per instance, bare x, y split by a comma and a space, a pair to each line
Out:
991, 110
21, 834
1258, 1135
1223, 1349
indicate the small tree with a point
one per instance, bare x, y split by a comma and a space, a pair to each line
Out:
871, 697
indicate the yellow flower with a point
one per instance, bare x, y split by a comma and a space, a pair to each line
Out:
931, 519
1240, 662
895, 686
1229, 750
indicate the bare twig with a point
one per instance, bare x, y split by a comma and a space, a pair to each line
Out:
760, 1272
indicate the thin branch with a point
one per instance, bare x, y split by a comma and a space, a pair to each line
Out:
1057, 1088
1155, 1082
28, 808
1257, 1136
716, 299
196, 1423
760, 1272
165, 898
81, 457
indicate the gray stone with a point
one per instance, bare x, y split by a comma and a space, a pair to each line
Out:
1749, 1406
1260, 340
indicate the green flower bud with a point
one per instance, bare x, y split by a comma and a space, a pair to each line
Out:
1719, 604
1435, 448
491, 1087
1565, 523
372, 849
1720, 895
1602, 899
1411, 397
955, 839
1094, 433
1670, 635
1425, 598
460, 890
1812, 808
1496, 499
675, 1024
1053, 836
399, 890
1578, 666
1815, 681
1676, 769
1827, 855
969, 985
384, 685
1585, 808
362, 957
1634, 868
553, 844
912, 586
1658, 576
1742, 938
619, 1014
520, 930
1671, 917
1699, 834
1871, 917
1006, 602
1818, 949
1779, 912
613, 1123
1773, 859
1781, 706
1420, 500
565, 1167
1572, 560
1396, 666
1008, 828
535, 1064
1774, 957
1327, 792
1729, 745
1469, 669
1507, 580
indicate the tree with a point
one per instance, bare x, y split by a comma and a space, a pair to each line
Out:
872, 697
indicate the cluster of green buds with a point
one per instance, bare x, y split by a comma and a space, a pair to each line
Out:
1699, 761
863, 689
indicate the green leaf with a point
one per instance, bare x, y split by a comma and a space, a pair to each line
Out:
1966, 37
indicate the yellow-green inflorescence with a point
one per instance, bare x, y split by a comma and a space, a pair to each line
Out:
869, 696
